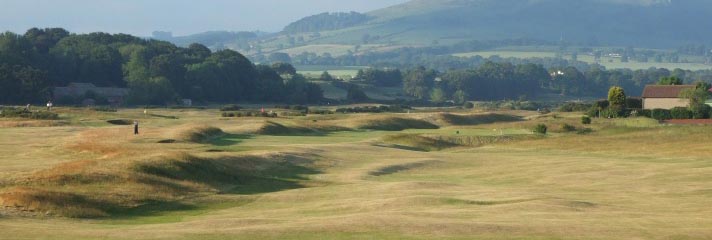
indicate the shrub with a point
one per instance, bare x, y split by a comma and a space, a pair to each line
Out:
540, 129
680, 113
701, 111
230, 107
469, 105
661, 114
567, 128
105, 109
583, 131
574, 107
635, 103
9, 112
645, 113
585, 120
601, 104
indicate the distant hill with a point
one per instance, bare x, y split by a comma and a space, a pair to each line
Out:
646, 23
211, 39
326, 21
667, 24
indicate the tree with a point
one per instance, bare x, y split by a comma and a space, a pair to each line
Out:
355, 94
279, 57
417, 82
284, 68
698, 97
670, 80
616, 100
460, 97
616, 96
437, 96
325, 76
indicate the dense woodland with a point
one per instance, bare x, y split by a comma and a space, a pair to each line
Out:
505, 80
157, 72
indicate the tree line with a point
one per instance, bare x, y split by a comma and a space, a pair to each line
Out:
157, 72
504, 80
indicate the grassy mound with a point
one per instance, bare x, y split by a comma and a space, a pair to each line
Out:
47, 202
201, 134
395, 124
417, 142
82, 190
477, 119
278, 129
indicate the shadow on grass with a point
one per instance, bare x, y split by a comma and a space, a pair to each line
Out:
239, 176
230, 140
150, 208
163, 116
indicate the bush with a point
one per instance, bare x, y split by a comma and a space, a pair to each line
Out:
661, 114
701, 111
567, 128
230, 107
9, 112
105, 109
574, 107
469, 105
585, 120
635, 103
583, 131
320, 112
374, 109
645, 113
680, 113
540, 129
601, 104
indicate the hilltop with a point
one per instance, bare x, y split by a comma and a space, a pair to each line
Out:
649, 23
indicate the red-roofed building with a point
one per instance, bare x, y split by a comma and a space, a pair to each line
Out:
664, 96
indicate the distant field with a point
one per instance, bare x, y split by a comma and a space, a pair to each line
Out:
333, 49
425, 174
610, 63
344, 72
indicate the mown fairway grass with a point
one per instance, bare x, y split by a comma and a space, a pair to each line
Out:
629, 179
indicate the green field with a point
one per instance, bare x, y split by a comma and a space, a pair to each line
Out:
419, 175
343, 72
608, 62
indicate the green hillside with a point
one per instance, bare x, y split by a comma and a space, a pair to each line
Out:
650, 23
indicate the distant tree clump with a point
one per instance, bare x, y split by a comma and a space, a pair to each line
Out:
381, 77
156, 72
671, 80
325, 76
354, 93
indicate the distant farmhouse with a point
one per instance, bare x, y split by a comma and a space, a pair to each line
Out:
665, 96
84, 91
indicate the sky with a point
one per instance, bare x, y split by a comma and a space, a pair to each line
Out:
182, 17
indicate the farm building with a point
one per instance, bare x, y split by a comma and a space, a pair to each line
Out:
664, 96
115, 96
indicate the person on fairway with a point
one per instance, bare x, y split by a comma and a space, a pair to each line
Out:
135, 127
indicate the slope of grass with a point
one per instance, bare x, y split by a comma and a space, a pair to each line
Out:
626, 180
201, 134
417, 142
477, 119
395, 124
